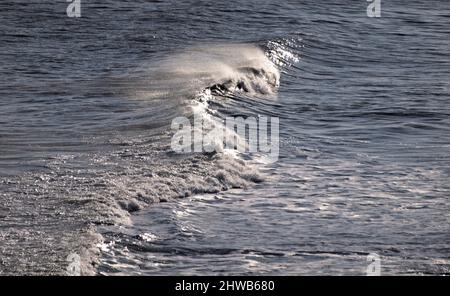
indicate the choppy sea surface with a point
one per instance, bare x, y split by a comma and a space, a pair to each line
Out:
86, 166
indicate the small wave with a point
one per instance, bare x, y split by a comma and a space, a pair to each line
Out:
219, 67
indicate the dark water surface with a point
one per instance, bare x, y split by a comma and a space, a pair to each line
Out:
85, 112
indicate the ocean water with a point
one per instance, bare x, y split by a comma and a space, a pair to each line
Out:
86, 165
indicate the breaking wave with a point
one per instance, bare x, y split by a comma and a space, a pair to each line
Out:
133, 165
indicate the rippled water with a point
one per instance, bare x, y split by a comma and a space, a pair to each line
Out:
85, 161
